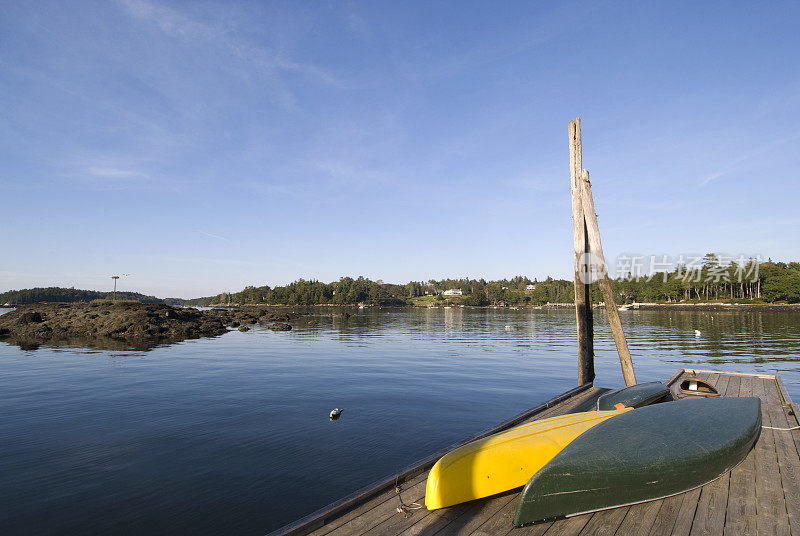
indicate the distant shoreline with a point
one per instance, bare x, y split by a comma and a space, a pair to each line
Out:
700, 306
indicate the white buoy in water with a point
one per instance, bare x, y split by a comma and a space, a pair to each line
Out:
336, 413
697, 333
508, 328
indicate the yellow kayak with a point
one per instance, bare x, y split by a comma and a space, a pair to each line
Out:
504, 461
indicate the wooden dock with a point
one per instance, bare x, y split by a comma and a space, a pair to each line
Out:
759, 496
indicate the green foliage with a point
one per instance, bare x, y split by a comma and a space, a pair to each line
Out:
59, 294
476, 300
767, 282
349, 291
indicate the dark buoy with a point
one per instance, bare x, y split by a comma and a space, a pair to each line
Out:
336, 413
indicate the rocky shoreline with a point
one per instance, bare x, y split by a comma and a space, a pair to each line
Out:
128, 325
133, 325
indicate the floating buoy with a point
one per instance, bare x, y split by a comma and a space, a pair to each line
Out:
336, 413
697, 333
508, 328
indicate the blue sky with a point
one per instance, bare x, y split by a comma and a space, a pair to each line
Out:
204, 146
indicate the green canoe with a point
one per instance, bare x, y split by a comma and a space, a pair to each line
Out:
635, 396
646, 454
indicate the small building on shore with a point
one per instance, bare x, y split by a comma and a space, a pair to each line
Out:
454, 292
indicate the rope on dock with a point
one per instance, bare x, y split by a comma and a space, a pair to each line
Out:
404, 508
781, 429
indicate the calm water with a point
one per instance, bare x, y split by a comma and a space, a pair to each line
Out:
231, 435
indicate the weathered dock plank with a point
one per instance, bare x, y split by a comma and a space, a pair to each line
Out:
788, 460
639, 519
740, 514
709, 518
771, 514
604, 523
668, 514
571, 526
381, 506
501, 523
469, 522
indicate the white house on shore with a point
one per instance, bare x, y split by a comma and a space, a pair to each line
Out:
454, 292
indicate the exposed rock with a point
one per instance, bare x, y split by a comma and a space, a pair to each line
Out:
106, 325
29, 317
119, 326
277, 317
116, 326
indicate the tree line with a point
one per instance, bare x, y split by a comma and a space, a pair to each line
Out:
350, 291
709, 280
60, 294
712, 279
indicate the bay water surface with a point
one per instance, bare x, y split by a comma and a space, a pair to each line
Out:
231, 435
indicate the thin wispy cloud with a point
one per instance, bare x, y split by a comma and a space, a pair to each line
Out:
103, 171
338, 173
523, 36
271, 64
215, 236
169, 20
115, 173
357, 24
736, 163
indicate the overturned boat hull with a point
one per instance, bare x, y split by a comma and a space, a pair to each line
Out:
505, 461
650, 453
635, 396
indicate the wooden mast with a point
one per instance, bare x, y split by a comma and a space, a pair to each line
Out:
586, 234
583, 302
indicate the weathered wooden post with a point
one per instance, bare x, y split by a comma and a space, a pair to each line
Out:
583, 302
604, 281
586, 234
